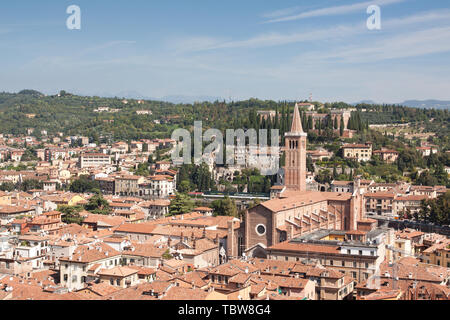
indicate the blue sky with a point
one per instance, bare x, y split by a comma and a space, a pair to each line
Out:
249, 48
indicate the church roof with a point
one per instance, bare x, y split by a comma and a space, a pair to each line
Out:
296, 122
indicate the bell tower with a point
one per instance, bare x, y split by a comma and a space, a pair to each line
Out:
295, 166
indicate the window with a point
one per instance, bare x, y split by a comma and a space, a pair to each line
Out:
74, 279
66, 277
261, 229
331, 262
355, 264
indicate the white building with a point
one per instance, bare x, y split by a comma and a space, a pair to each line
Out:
90, 160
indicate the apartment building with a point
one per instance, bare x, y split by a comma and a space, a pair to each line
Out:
122, 277
386, 155
55, 154
85, 263
155, 209
94, 160
127, 185
358, 256
358, 152
408, 204
157, 187
342, 186
380, 204
33, 249
438, 254
427, 151
430, 192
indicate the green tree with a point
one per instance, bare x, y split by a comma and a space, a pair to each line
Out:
71, 214
225, 207
83, 184
98, 205
184, 186
181, 204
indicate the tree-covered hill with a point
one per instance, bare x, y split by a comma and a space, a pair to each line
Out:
75, 115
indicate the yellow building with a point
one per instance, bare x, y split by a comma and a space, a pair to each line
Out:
358, 152
5, 198
438, 254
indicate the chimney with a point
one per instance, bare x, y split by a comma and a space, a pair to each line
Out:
216, 240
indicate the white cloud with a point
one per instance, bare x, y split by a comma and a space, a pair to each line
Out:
409, 44
337, 10
342, 31
107, 45
281, 12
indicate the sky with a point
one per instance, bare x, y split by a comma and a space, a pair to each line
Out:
238, 49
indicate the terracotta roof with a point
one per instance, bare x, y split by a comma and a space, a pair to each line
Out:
141, 228
355, 146
193, 278
157, 202
118, 272
306, 247
180, 293
287, 203
377, 195
102, 288
92, 253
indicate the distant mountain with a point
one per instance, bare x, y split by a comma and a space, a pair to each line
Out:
427, 104
365, 102
421, 104
189, 99
171, 98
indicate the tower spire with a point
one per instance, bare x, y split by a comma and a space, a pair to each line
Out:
296, 122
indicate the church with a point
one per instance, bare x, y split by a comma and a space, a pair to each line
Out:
295, 211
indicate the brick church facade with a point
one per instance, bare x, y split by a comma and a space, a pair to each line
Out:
295, 211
